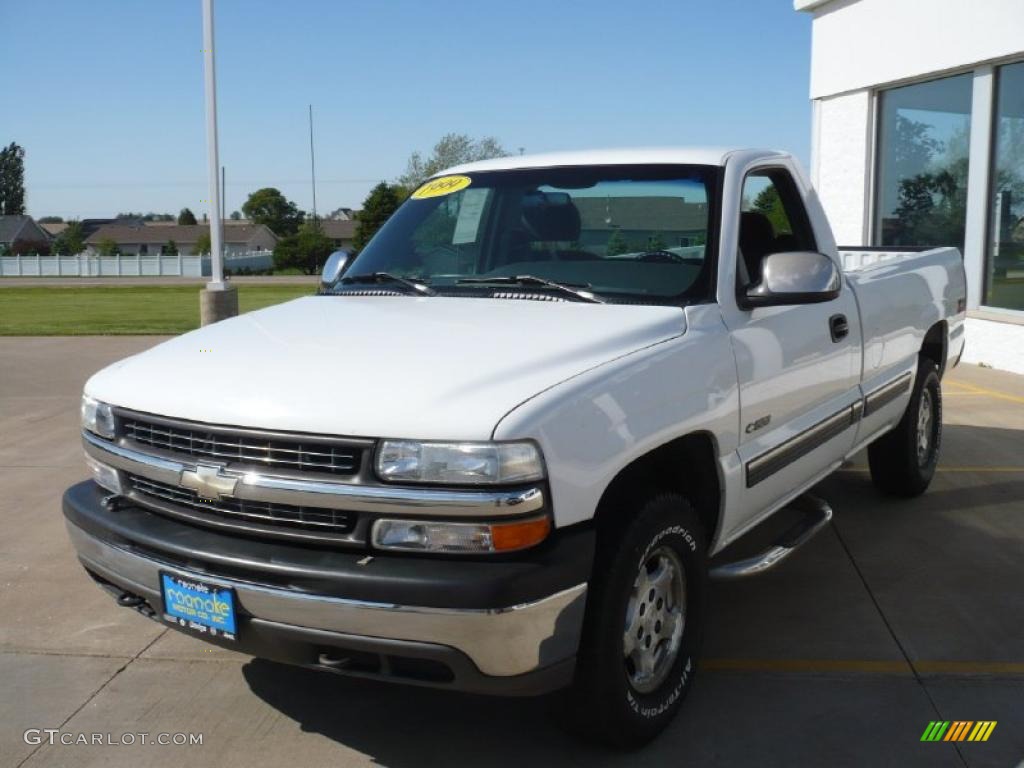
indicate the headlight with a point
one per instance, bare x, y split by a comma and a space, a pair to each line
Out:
97, 417
459, 538
458, 463
104, 475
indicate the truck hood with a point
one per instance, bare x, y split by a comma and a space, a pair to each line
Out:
385, 366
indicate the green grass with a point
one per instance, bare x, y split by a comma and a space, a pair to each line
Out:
101, 310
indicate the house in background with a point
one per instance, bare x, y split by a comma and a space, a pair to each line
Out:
21, 234
918, 139
639, 219
150, 240
53, 228
341, 231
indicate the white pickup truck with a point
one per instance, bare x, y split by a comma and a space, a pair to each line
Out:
498, 449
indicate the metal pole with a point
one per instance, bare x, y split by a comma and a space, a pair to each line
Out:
216, 256
312, 161
223, 194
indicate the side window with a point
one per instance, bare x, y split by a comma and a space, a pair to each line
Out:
772, 219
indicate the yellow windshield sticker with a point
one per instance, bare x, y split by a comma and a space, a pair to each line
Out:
442, 186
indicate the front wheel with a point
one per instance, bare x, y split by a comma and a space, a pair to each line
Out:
903, 461
644, 624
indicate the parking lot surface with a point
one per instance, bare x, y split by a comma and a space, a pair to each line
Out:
901, 613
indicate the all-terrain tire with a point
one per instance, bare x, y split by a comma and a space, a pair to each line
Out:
903, 460
612, 698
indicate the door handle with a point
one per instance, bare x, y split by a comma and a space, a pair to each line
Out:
838, 327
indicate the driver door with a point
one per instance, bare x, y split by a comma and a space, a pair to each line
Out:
798, 373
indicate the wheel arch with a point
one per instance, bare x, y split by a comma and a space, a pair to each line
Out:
687, 465
935, 345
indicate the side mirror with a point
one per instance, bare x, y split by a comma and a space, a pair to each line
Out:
334, 268
794, 277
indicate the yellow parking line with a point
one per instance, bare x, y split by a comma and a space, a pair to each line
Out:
969, 667
949, 469
809, 665
866, 666
971, 389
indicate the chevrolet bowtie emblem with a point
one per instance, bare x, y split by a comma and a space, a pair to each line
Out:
208, 482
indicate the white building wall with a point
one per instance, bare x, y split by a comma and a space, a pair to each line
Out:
841, 163
862, 46
997, 345
865, 43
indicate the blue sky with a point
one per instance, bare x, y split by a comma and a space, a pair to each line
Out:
106, 95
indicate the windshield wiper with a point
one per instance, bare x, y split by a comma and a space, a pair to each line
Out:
421, 289
565, 288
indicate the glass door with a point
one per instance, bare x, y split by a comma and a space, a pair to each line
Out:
1004, 286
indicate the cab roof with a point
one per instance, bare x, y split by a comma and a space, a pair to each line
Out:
631, 156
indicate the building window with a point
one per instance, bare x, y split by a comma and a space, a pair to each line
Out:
1005, 264
923, 145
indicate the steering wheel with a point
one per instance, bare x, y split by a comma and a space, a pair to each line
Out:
662, 257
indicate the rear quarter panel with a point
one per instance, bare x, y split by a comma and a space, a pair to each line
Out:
899, 302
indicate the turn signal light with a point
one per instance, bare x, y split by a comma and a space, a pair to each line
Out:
506, 537
459, 538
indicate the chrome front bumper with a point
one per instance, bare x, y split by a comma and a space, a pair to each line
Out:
502, 642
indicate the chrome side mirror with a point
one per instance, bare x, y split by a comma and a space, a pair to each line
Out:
794, 277
333, 269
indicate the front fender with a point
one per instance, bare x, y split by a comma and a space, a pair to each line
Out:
594, 425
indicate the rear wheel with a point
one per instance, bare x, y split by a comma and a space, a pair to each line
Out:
644, 624
903, 460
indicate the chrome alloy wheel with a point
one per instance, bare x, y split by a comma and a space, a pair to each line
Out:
925, 416
655, 618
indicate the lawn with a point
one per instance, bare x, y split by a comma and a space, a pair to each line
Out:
91, 310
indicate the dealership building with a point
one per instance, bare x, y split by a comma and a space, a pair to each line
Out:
918, 139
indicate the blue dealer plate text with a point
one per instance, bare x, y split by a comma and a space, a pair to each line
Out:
198, 606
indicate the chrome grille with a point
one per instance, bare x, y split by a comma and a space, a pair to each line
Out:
244, 510
243, 448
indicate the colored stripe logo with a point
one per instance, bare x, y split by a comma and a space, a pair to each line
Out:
958, 730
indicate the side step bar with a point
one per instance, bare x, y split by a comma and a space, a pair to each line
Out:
816, 515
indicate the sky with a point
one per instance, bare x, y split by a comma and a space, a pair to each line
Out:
106, 96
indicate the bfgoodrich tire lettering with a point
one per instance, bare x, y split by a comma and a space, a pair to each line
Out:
605, 703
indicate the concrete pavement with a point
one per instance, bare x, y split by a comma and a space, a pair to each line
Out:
901, 613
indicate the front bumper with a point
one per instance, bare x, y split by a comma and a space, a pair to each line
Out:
505, 626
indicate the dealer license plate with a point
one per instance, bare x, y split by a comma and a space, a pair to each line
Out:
207, 609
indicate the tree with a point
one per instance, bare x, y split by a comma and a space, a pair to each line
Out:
12, 180
108, 247
186, 217
236, 216
307, 250
50, 220
268, 206
71, 241
616, 244
203, 246
769, 203
169, 249
140, 216
378, 206
452, 149
655, 243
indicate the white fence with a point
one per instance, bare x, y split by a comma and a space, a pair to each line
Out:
86, 265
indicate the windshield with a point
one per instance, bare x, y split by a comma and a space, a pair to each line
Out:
626, 233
